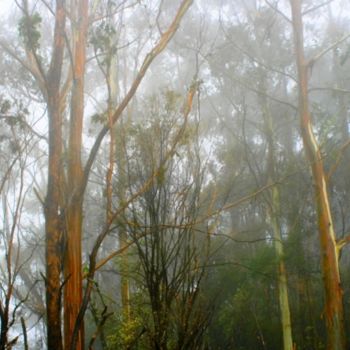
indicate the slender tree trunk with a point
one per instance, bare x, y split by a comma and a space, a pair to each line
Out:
53, 235
124, 281
274, 213
116, 154
74, 199
282, 273
53, 204
329, 254
123, 236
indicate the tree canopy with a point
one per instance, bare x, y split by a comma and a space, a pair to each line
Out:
174, 174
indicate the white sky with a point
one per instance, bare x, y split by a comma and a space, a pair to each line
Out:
6, 5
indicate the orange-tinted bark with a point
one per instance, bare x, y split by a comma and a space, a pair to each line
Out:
53, 229
333, 293
75, 306
74, 199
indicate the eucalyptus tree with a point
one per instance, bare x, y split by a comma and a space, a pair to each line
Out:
19, 295
330, 247
247, 84
59, 73
168, 224
255, 77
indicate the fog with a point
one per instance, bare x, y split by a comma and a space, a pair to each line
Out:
174, 175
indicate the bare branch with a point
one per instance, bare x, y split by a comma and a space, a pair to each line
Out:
28, 65
253, 58
24, 331
263, 93
105, 317
333, 89
106, 229
275, 8
120, 251
314, 59
157, 49
48, 7
341, 243
312, 9
339, 157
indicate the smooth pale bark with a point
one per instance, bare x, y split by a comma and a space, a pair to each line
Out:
123, 236
116, 154
123, 240
74, 199
334, 314
274, 213
112, 100
282, 273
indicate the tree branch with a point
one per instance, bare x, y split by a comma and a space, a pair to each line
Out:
28, 65
275, 8
106, 229
341, 243
314, 59
157, 49
340, 155
312, 9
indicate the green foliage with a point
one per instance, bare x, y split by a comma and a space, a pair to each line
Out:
264, 263
103, 38
13, 113
29, 31
99, 118
161, 176
125, 333
5, 106
172, 100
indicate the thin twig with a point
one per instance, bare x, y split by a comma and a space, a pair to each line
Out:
275, 8
314, 59
339, 157
24, 331
312, 9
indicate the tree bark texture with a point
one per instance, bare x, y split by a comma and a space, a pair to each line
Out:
329, 254
53, 203
74, 199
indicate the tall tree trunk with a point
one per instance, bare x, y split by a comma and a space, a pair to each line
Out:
123, 236
74, 198
53, 203
329, 253
116, 154
282, 273
124, 280
274, 212
54, 234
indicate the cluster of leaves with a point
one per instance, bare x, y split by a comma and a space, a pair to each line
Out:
29, 31
125, 333
12, 115
103, 38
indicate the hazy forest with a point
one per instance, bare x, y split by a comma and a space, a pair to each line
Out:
175, 174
